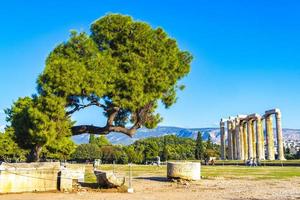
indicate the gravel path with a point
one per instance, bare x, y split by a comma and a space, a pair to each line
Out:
150, 188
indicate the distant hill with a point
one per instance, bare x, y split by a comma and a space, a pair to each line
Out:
119, 138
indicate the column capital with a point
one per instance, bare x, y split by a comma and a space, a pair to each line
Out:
272, 111
278, 114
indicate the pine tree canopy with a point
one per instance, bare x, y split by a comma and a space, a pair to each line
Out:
123, 67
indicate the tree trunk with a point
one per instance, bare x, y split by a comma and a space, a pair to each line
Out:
36, 153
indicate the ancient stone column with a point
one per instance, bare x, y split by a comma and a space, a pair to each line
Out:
229, 140
250, 141
259, 136
279, 136
237, 140
241, 143
263, 156
233, 143
245, 140
270, 138
222, 132
253, 139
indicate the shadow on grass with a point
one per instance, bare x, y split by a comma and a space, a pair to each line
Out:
154, 178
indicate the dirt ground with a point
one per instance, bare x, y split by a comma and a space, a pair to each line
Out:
148, 188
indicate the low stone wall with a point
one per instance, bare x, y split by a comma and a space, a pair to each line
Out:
28, 177
184, 170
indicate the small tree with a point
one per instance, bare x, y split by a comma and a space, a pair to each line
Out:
209, 144
38, 122
165, 152
199, 150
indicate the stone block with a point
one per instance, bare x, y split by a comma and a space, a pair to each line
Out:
28, 177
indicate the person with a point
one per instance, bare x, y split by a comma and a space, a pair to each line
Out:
250, 162
212, 162
254, 162
206, 161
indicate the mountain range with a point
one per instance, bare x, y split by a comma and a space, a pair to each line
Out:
119, 138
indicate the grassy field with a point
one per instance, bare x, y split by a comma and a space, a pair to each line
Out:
207, 172
263, 162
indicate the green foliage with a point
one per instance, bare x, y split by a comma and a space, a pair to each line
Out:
123, 64
199, 149
209, 144
211, 150
167, 147
165, 152
92, 139
60, 149
100, 141
87, 152
9, 150
291, 156
135, 155
37, 122
124, 67
112, 154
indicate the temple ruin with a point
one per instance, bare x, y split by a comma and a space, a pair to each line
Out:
246, 138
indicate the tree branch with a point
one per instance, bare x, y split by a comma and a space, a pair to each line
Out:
82, 106
112, 113
78, 130
141, 117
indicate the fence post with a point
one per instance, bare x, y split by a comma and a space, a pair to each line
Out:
130, 189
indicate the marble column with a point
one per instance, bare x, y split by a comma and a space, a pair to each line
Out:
229, 140
233, 143
279, 136
245, 140
241, 143
222, 132
250, 144
253, 131
263, 156
237, 140
259, 140
270, 138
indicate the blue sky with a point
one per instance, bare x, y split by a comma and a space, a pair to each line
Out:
246, 53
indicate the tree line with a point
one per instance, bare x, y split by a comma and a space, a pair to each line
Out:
168, 147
